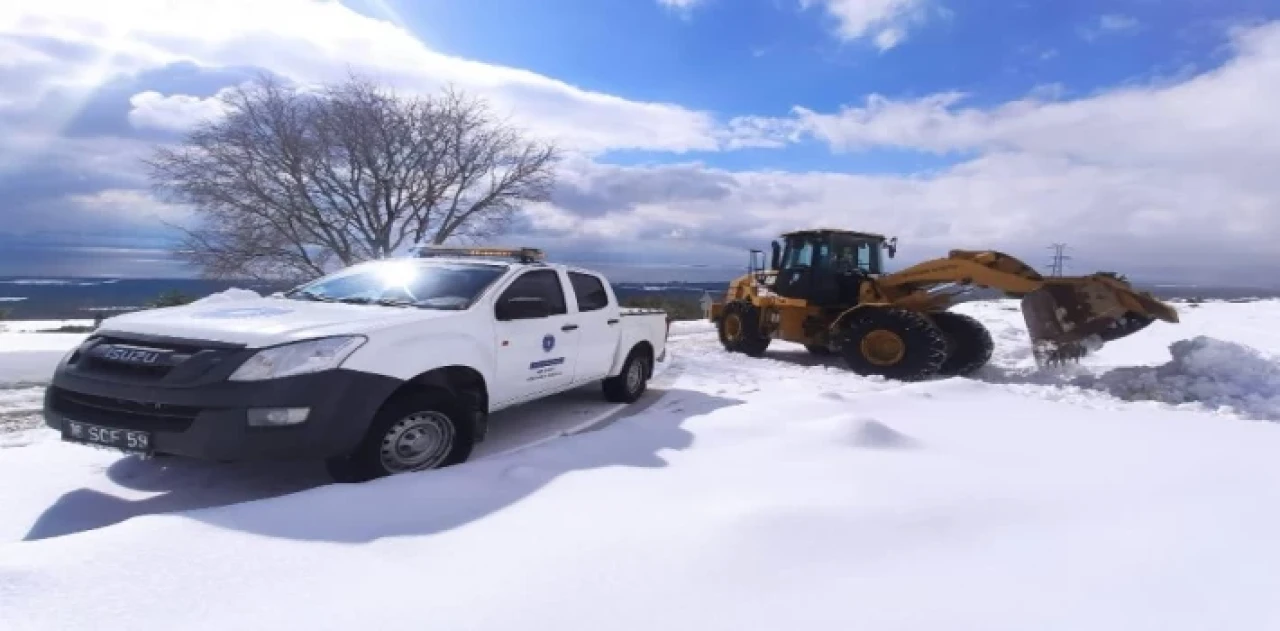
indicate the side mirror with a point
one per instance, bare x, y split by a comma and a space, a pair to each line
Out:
892, 246
777, 255
521, 308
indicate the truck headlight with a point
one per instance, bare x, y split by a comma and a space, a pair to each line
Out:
298, 358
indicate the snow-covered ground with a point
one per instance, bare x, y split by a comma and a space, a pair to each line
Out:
1134, 491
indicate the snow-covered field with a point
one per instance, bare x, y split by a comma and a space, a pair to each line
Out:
1134, 491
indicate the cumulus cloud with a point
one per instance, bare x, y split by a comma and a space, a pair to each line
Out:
308, 40
130, 205
1222, 117
172, 112
885, 22
1109, 23
1152, 225
680, 6
1163, 180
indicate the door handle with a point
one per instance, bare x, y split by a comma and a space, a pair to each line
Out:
569, 327
613, 321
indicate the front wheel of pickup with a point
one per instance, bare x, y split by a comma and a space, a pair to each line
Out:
414, 431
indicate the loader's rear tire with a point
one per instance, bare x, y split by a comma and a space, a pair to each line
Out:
739, 328
970, 343
893, 343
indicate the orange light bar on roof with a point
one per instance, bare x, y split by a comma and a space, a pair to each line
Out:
524, 255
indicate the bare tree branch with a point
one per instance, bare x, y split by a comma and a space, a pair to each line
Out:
290, 183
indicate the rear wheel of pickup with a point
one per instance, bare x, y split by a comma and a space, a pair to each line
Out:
414, 431
629, 384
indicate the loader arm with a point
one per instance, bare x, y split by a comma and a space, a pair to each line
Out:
988, 268
1064, 314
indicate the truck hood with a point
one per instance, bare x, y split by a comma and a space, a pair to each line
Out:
258, 322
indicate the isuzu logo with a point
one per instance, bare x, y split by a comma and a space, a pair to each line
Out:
129, 355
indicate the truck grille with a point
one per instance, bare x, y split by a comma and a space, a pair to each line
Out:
122, 413
138, 360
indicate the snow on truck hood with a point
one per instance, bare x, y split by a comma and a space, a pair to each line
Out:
263, 321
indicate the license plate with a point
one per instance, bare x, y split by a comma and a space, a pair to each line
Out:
130, 440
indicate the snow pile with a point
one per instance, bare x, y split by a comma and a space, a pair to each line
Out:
228, 295
1203, 370
872, 434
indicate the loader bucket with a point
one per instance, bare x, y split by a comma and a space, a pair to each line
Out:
1070, 317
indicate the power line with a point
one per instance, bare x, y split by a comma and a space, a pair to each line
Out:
1060, 257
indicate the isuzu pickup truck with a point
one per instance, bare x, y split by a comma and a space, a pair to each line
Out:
381, 368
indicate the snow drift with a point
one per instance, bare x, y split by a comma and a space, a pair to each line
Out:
1203, 371
228, 295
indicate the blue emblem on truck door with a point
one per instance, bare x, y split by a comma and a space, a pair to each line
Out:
546, 368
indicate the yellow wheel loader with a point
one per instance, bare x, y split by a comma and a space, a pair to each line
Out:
826, 289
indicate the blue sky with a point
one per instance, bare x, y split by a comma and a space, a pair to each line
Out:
1139, 131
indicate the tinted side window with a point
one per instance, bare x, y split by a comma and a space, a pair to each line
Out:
544, 284
590, 291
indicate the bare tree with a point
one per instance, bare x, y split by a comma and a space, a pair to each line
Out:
291, 182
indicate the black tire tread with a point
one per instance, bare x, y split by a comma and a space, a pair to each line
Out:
926, 345
615, 388
752, 343
971, 345
363, 464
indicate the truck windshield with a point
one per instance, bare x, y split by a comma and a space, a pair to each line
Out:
432, 285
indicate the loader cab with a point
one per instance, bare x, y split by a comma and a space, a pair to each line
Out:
827, 267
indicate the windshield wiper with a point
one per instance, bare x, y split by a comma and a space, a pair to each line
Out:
382, 302
307, 295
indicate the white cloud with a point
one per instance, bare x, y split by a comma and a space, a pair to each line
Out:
174, 112
1222, 117
1109, 24
683, 6
1117, 22
131, 205
314, 40
1166, 179
884, 21
1162, 225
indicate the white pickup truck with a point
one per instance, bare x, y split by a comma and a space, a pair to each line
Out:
381, 368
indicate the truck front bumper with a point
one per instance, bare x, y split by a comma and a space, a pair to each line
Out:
211, 422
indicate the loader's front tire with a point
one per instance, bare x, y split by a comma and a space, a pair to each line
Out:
971, 344
893, 343
739, 328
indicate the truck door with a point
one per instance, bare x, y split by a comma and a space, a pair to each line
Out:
535, 351
598, 327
